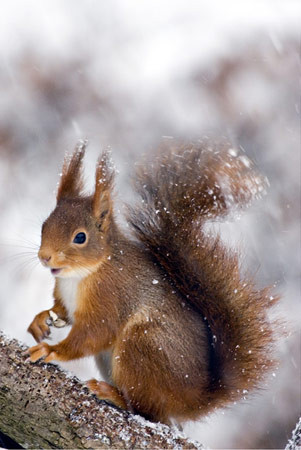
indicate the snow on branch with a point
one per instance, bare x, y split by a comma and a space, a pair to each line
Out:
295, 442
41, 406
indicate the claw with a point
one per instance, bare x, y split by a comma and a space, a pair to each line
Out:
105, 391
39, 351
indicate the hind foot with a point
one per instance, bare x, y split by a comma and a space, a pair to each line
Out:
105, 391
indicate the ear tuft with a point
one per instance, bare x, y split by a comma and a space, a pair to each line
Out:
71, 183
104, 179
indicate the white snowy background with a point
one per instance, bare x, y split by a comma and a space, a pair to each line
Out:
123, 74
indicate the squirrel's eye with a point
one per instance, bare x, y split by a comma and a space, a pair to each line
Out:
80, 238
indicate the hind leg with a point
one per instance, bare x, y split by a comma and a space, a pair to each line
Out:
144, 378
149, 367
105, 391
143, 392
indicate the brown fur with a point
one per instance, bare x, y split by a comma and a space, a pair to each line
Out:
187, 333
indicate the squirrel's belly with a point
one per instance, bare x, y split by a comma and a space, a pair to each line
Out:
103, 362
68, 289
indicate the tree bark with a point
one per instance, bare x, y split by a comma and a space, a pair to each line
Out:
41, 406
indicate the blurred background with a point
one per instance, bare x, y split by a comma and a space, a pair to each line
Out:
123, 74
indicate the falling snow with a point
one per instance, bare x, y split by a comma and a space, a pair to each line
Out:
160, 82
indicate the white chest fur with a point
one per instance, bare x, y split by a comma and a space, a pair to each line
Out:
68, 290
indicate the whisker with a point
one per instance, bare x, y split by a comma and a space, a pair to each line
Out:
18, 256
25, 267
34, 247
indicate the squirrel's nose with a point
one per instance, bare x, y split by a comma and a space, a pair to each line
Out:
46, 260
44, 257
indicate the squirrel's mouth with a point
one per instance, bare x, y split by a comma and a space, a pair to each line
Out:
55, 271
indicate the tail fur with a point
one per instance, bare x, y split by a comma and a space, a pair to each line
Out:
186, 186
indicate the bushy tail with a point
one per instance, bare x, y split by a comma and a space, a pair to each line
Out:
185, 186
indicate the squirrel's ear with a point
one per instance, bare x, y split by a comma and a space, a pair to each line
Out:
71, 183
102, 198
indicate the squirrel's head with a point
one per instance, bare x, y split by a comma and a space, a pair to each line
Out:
76, 235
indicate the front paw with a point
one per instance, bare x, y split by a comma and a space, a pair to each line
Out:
39, 327
44, 351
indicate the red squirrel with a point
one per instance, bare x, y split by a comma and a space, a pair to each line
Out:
187, 332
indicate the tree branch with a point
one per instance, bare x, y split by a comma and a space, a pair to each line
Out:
295, 442
41, 406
